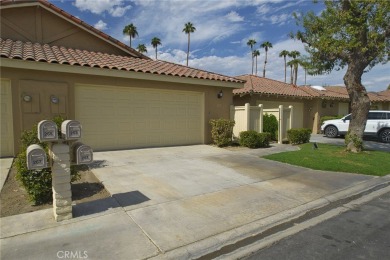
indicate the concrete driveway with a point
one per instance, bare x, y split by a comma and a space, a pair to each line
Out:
178, 203
180, 195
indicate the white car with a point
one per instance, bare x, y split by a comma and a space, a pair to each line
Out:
378, 125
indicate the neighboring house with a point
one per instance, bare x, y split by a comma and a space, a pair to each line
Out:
310, 103
55, 64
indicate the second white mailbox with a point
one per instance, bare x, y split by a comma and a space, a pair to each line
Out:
71, 130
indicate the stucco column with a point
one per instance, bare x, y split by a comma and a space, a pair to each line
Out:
62, 194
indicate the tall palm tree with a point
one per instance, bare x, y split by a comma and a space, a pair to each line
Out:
251, 43
284, 54
266, 45
188, 29
155, 42
295, 63
142, 48
130, 30
255, 54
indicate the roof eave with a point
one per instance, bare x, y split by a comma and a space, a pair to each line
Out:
62, 68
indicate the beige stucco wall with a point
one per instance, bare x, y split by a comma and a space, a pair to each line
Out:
64, 84
299, 110
36, 24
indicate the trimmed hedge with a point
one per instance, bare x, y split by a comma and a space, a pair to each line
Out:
222, 131
253, 139
298, 136
38, 183
270, 125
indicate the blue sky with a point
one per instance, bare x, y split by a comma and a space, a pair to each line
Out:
223, 28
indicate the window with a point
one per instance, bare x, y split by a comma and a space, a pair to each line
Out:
376, 116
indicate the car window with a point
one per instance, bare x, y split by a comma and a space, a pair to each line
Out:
388, 115
347, 117
375, 116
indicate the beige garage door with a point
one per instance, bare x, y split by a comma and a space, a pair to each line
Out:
121, 118
6, 135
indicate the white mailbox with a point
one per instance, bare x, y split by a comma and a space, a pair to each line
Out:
47, 131
82, 154
71, 130
36, 157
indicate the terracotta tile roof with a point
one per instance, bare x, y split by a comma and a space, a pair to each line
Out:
37, 52
340, 92
330, 92
383, 96
76, 20
385, 93
259, 85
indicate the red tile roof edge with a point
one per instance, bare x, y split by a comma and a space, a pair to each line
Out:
332, 92
86, 26
247, 90
74, 57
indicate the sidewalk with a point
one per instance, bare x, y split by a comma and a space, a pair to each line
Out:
178, 203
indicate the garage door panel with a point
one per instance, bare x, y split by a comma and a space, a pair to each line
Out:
138, 117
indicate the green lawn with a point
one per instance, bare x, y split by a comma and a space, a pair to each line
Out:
335, 158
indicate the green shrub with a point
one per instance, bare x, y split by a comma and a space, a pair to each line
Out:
270, 125
324, 118
222, 131
298, 136
38, 183
253, 139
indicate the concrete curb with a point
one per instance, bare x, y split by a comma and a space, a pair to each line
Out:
215, 243
272, 239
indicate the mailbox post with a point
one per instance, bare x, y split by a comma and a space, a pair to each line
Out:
61, 158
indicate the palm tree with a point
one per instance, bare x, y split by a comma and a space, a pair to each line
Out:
284, 54
294, 65
188, 29
255, 54
266, 45
251, 43
304, 62
142, 48
130, 30
155, 42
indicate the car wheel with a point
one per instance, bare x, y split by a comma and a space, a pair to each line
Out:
384, 136
331, 131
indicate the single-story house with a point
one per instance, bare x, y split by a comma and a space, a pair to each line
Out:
310, 102
52, 63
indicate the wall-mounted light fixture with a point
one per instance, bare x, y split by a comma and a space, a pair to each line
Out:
27, 98
220, 94
54, 99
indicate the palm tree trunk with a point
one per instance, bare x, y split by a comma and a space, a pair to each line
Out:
188, 49
130, 41
156, 52
296, 74
265, 63
256, 66
305, 75
285, 69
291, 74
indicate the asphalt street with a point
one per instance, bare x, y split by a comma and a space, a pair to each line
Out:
361, 233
